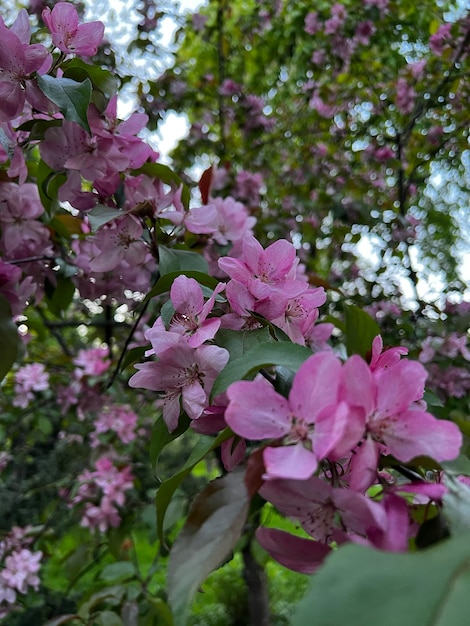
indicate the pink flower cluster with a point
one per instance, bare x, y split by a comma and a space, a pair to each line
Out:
324, 443
186, 366
20, 568
102, 492
28, 379
115, 418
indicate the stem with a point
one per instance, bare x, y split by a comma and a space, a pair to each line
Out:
126, 344
257, 589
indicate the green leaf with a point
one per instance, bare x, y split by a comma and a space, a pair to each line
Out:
431, 399
63, 619
238, 342
456, 503
359, 586
9, 338
166, 490
48, 181
101, 214
107, 618
118, 571
214, 525
361, 330
134, 355
70, 96
102, 79
61, 297
161, 437
290, 355
173, 260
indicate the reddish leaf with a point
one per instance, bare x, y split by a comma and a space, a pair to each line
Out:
205, 184
213, 527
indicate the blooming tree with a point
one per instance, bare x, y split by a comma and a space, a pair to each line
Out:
133, 311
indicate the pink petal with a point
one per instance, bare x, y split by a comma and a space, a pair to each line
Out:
252, 253
279, 258
256, 411
417, 433
357, 387
21, 27
315, 386
363, 468
88, 38
194, 400
12, 99
289, 462
398, 386
186, 295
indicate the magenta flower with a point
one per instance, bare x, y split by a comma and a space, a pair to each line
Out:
310, 422
68, 35
190, 317
182, 373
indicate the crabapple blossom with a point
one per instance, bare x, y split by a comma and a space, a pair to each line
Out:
18, 62
191, 313
70, 36
310, 422
102, 491
120, 419
181, 372
92, 362
224, 219
266, 273
29, 378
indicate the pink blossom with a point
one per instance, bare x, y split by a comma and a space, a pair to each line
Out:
119, 240
97, 158
92, 361
120, 419
312, 24
181, 372
364, 31
15, 292
310, 422
248, 187
31, 377
18, 61
108, 126
440, 38
70, 36
326, 513
224, 219
190, 317
266, 273
395, 422
102, 491
149, 192
300, 314
20, 571
405, 96
23, 234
